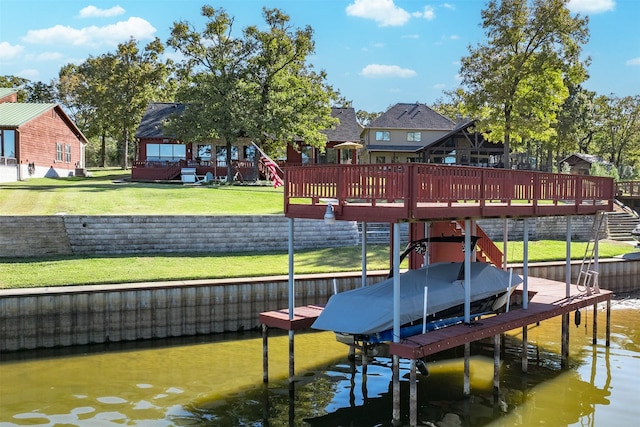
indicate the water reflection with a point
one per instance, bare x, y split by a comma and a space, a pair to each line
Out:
216, 381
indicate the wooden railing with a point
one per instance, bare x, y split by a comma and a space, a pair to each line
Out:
628, 188
487, 248
413, 186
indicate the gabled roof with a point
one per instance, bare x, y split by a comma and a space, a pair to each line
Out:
347, 130
412, 116
589, 158
7, 91
151, 125
16, 114
13, 114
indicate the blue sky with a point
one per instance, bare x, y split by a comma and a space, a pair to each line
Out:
376, 52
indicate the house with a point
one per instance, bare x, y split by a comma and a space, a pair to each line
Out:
580, 164
347, 130
162, 156
37, 140
463, 145
397, 134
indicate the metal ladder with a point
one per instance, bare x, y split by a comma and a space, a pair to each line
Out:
588, 278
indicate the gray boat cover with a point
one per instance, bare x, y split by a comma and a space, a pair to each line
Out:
369, 310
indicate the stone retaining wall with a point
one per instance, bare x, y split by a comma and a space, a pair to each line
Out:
64, 316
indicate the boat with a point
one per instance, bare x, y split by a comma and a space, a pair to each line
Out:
366, 314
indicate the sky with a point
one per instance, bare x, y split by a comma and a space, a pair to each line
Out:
376, 53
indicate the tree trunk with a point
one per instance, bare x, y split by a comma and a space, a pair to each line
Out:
103, 150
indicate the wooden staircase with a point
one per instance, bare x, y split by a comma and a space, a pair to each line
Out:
486, 250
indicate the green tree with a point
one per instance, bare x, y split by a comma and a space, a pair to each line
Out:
516, 82
17, 83
39, 92
258, 85
619, 131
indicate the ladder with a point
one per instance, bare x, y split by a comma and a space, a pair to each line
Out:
588, 277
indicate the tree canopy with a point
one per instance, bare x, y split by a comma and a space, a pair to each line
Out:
257, 85
516, 82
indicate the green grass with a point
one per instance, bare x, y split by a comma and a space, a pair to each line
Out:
68, 270
109, 192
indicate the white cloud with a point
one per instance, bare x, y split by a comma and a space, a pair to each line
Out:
428, 13
94, 12
8, 51
379, 70
113, 34
411, 36
384, 12
591, 6
29, 73
448, 6
633, 61
49, 56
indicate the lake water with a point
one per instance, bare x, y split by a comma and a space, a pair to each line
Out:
217, 381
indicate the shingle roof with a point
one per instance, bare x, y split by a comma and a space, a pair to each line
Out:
589, 158
412, 116
151, 125
6, 91
14, 114
348, 129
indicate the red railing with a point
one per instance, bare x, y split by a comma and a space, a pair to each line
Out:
413, 186
628, 188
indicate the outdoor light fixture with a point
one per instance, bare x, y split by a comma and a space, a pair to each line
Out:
329, 216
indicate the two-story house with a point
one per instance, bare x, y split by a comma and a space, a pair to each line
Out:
397, 134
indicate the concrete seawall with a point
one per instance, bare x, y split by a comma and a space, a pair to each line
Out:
64, 316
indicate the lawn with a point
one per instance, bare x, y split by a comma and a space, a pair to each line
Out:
109, 192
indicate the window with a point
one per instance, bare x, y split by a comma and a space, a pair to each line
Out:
204, 152
249, 152
58, 151
7, 143
166, 152
67, 153
382, 135
380, 159
221, 153
414, 136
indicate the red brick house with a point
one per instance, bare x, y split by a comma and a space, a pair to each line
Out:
37, 140
162, 157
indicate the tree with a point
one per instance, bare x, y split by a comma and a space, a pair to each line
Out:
257, 85
17, 83
516, 82
619, 131
115, 89
39, 92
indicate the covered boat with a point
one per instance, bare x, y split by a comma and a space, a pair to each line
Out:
366, 314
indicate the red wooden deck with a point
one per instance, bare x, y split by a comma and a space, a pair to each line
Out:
418, 191
303, 317
548, 301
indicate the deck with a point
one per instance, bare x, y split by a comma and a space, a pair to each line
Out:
547, 300
422, 192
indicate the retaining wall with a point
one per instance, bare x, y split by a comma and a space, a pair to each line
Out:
64, 316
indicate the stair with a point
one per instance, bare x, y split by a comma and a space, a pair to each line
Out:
620, 224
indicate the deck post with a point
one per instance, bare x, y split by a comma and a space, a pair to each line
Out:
525, 266
396, 323
467, 371
608, 343
364, 254
496, 365
467, 271
505, 240
525, 349
292, 303
413, 395
565, 316
265, 353
595, 324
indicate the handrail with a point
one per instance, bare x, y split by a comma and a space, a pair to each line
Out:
484, 243
410, 184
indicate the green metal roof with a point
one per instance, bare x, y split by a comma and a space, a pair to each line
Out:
6, 91
14, 115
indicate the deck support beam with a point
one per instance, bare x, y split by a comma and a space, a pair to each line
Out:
565, 316
413, 395
265, 353
525, 349
396, 323
467, 370
594, 341
496, 365
364, 254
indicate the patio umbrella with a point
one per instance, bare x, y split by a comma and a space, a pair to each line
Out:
349, 145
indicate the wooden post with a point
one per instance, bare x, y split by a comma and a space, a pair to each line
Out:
467, 379
291, 358
595, 324
496, 365
396, 391
525, 351
413, 395
265, 353
565, 340
608, 322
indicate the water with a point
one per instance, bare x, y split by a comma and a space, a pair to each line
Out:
217, 381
